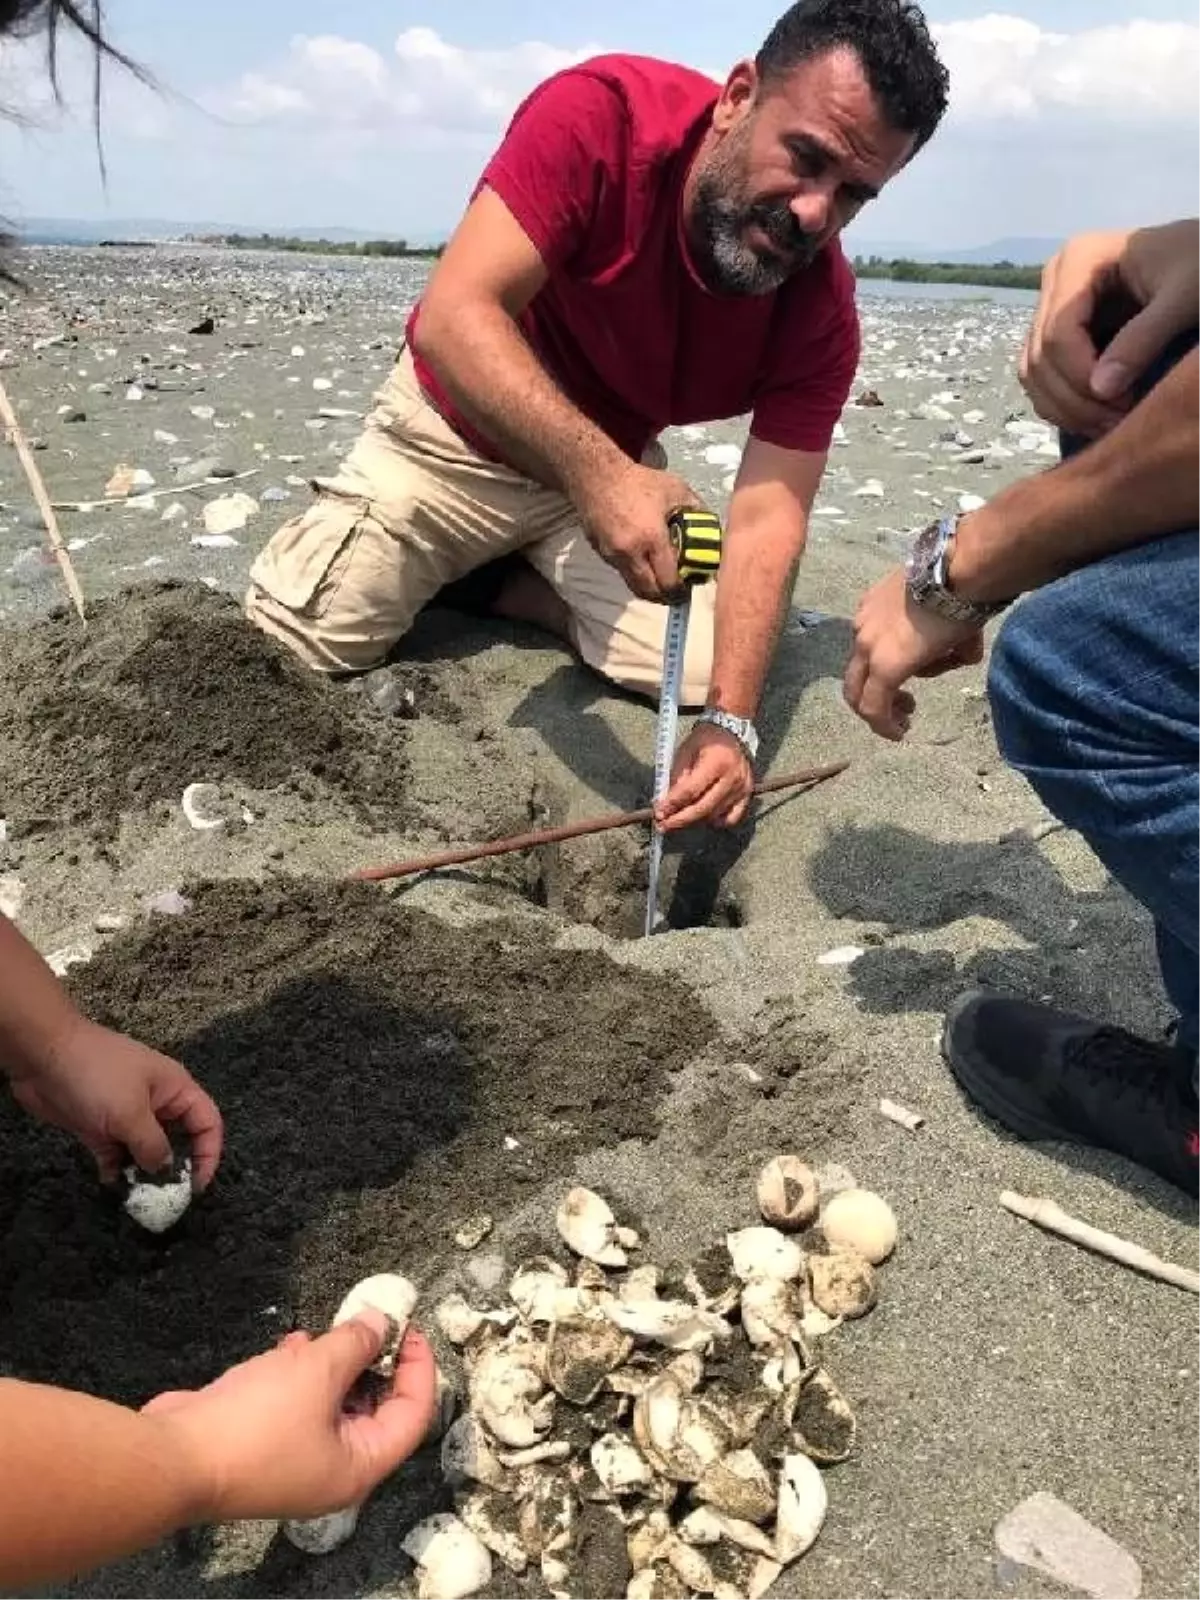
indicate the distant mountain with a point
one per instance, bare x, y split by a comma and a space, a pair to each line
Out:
88, 230
1021, 251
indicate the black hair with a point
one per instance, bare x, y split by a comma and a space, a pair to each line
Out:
890, 38
82, 18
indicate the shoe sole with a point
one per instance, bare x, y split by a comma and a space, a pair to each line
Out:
980, 1086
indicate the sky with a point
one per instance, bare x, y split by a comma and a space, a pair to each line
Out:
379, 114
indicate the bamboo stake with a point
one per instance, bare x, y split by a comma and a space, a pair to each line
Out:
61, 554
1046, 1214
808, 777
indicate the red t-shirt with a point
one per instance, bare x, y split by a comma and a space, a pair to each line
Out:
592, 167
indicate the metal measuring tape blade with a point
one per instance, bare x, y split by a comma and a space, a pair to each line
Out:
696, 537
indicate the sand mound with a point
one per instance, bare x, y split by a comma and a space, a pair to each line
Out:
169, 685
370, 1063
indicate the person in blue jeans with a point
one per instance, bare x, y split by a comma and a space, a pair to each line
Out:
1093, 677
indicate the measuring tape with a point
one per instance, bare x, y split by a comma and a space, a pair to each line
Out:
696, 540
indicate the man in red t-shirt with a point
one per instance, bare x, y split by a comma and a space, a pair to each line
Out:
644, 249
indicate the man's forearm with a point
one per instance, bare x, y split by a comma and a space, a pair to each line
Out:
758, 569
502, 388
35, 1010
82, 1482
1137, 482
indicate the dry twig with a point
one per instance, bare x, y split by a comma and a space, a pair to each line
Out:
25, 455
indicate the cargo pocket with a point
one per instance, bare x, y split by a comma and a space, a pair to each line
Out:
305, 563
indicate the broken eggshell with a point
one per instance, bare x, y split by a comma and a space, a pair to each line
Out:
156, 1201
673, 1323
506, 1392
678, 1434
803, 1502
452, 1562
739, 1485
588, 1227
770, 1311
823, 1425
581, 1352
862, 1221
396, 1298
619, 1467
764, 1253
492, 1518
467, 1454
787, 1193
535, 1287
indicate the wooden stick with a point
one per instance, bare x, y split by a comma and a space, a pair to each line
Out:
149, 494
1045, 1214
571, 830
61, 554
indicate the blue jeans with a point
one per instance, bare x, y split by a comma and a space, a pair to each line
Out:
1093, 686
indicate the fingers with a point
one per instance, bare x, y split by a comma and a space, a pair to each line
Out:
146, 1140
707, 786
206, 1130
1132, 350
345, 1352
399, 1425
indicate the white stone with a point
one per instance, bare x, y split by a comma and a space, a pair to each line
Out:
971, 502
71, 955
158, 1206
1044, 1535
872, 489
214, 541
229, 512
723, 455
841, 956
12, 896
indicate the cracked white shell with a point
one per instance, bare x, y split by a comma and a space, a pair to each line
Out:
787, 1192
764, 1253
317, 1536
803, 1502
452, 1562
586, 1223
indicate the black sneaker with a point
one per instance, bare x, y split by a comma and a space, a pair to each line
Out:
1046, 1074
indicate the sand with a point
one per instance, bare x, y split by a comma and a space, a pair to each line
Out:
489, 1036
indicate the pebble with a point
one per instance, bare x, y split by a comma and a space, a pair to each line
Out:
273, 494
229, 512
214, 541
174, 511
872, 489
72, 414
161, 436
109, 922
473, 1231
728, 456
321, 383
1046, 1536
488, 1271
971, 502
203, 413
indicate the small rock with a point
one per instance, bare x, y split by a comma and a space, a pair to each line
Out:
971, 502
321, 383
1044, 1535
273, 495
161, 436
297, 349
933, 413
868, 397
473, 1231
157, 1201
229, 512
108, 922
174, 511
134, 392
205, 325
73, 414
872, 489
203, 413
728, 456
214, 541
971, 418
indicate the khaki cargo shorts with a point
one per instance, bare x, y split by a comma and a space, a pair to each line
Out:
413, 508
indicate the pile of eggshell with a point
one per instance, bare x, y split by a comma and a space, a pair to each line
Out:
630, 1431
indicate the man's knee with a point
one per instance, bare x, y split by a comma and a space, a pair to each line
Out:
327, 584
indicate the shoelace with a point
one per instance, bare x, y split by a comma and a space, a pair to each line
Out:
1133, 1069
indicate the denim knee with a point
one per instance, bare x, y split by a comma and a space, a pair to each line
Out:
1016, 683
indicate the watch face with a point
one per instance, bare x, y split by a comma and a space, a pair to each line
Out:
924, 551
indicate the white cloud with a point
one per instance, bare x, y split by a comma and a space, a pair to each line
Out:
425, 85
1005, 67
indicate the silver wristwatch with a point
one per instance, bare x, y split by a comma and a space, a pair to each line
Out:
926, 580
742, 729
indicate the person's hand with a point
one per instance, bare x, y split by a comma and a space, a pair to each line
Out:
894, 640
271, 1437
1071, 383
624, 515
117, 1096
711, 781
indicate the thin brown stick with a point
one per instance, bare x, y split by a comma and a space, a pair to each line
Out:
1046, 1214
61, 554
572, 830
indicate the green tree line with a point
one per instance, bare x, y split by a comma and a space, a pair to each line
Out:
321, 247
998, 275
